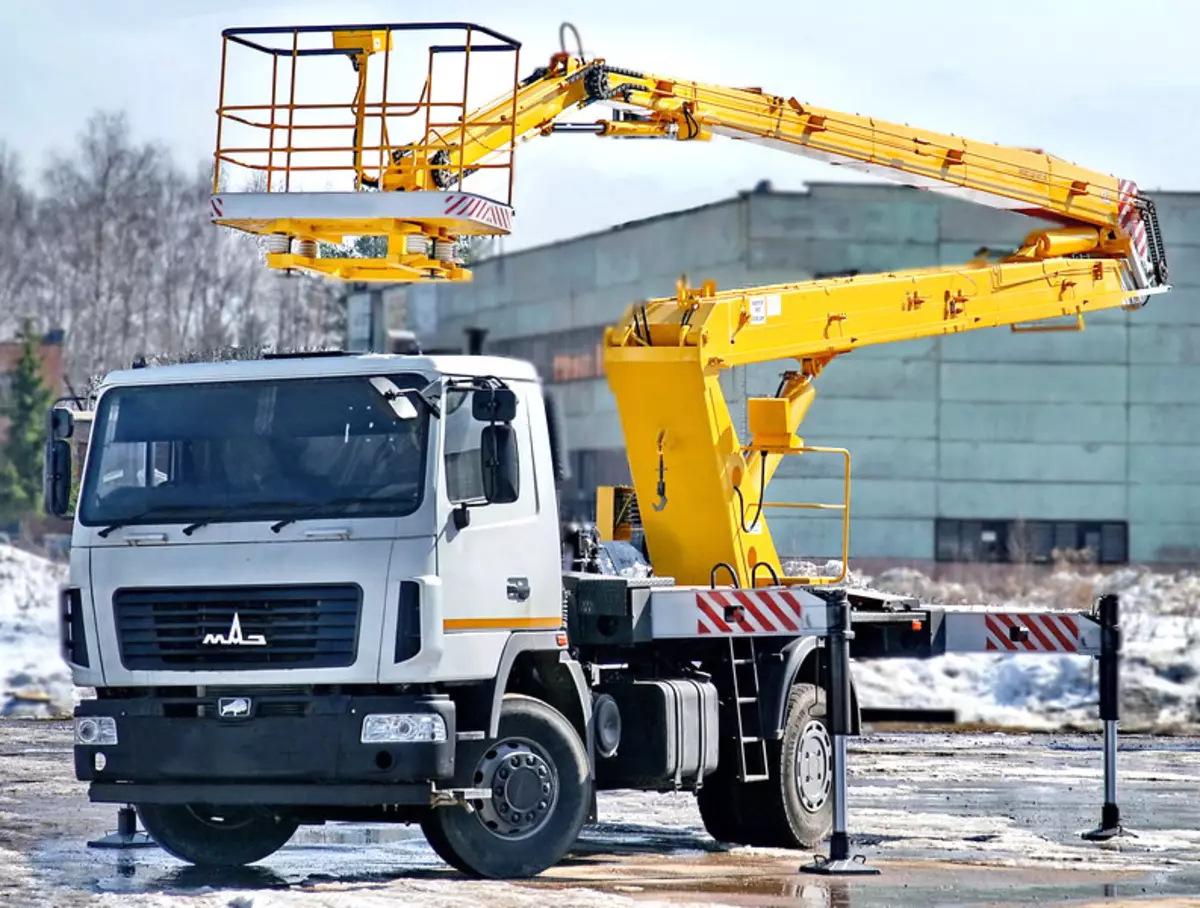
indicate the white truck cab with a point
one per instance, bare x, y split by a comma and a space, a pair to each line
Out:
336, 484
309, 573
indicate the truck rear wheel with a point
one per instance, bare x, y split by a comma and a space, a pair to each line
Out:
797, 802
792, 809
216, 836
537, 771
726, 806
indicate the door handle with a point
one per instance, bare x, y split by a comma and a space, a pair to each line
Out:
518, 588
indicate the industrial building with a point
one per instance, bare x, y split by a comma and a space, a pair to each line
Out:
987, 446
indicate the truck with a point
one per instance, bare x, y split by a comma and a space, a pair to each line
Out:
320, 588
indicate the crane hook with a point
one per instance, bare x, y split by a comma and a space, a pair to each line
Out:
662, 480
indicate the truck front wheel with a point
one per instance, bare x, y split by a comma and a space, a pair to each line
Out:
537, 773
216, 836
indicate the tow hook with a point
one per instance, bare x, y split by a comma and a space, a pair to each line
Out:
458, 797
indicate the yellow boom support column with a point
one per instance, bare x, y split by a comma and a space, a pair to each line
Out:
664, 358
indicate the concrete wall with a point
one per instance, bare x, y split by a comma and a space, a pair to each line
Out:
1100, 425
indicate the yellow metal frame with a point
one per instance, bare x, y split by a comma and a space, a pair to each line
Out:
1098, 212
843, 507
359, 44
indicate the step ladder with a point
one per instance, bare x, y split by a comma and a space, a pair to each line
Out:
752, 744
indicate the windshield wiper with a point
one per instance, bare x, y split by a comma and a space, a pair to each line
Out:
309, 515
218, 515
246, 506
124, 522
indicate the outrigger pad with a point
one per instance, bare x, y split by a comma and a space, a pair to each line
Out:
1110, 826
126, 835
854, 866
120, 840
1104, 833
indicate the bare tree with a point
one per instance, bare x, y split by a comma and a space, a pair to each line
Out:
101, 218
138, 268
18, 264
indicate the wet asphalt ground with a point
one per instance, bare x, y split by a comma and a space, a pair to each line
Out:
948, 819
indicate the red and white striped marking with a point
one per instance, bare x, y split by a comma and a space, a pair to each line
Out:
1046, 632
217, 204
473, 206
1130, 218
748, 612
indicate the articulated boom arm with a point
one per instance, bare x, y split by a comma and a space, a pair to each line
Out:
702, 492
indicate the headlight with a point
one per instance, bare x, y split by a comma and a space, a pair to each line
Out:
96, 730
403, 729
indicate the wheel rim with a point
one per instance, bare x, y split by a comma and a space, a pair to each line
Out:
814, 769
524, 786
226, 818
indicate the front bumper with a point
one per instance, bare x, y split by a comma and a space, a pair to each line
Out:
169, 750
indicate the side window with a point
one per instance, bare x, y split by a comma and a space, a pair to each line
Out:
464, 439
462, 454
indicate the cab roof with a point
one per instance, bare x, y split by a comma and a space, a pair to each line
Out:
319, 366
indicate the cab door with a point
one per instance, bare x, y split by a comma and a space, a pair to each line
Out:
499, 564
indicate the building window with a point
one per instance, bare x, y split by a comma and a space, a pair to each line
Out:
1022, 541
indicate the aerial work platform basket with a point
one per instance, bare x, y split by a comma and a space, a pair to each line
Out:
326, 133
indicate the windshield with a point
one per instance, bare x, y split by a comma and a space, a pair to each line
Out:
256, 450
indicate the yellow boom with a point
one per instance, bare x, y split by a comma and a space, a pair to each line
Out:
702, 491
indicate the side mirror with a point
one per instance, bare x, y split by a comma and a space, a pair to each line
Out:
501, 473
494, 405
60, 423
56, 480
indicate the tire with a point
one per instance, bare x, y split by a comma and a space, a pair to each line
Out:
726, 805
521, 830
441, 845
216, 837
784, 811
797, 802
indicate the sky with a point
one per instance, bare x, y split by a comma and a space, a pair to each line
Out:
1113, 85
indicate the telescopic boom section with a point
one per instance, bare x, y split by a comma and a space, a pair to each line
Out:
1100, 214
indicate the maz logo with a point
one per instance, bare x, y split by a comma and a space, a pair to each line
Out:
235, 636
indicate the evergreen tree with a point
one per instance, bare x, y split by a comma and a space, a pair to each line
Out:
21, 454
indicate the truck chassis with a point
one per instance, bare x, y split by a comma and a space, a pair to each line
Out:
742, 695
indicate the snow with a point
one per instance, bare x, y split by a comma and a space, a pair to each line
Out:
1160, 672
30, 663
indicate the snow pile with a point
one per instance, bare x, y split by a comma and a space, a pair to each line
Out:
1160, 616
1160, 672
33, 678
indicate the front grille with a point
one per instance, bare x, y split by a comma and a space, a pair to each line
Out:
194, 628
